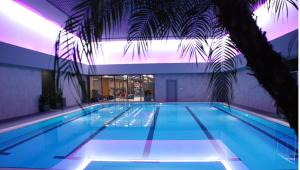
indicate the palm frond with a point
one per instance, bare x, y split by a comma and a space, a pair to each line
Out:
220, 56
149, 20
195, 31
78, 41
192, 21
222, 63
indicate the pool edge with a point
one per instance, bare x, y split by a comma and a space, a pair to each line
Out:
56, 113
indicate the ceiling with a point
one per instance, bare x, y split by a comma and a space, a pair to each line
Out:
64, 6
265, 20
38, 22
58, 10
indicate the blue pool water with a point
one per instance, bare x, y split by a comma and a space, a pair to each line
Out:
180, 136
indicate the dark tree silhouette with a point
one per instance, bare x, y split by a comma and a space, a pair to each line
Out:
266, 64
193, 21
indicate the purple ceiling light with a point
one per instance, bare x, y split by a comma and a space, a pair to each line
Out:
266, 20
22, 27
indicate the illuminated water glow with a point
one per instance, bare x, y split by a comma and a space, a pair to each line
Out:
122, 151
87, 161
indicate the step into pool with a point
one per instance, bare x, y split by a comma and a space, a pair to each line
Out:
180, 136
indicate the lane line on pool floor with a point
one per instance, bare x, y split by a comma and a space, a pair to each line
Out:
2, 151
211, 138
93, 135
148, 144
292, 148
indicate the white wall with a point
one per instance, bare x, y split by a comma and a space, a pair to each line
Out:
194, 87
70, 93
20, 85
20, 89
190, 87
248, 92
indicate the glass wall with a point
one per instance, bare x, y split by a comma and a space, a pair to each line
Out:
96, 88
148, 87
108, 88
122, 88
134, 88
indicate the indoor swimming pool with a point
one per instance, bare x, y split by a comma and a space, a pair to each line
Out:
142, 136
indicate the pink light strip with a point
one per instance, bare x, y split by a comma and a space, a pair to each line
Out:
29, 19
22, 27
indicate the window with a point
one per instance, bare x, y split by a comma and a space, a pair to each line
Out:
148, 87
134, 88
96, 88
108, 88
122, 88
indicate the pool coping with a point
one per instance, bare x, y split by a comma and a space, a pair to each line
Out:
272, 119
12, 125
53, 114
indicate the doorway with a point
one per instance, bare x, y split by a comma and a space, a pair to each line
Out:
171, 90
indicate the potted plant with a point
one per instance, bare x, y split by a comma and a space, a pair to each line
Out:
147, 95
44, 103
95, 96
57, 100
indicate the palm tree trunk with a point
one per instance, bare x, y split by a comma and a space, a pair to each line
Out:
266, 64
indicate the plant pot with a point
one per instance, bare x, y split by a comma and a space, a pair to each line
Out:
56, 105
64, 102
44, 107
147, 98
59, 105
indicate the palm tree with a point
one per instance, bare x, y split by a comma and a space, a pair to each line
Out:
228, 23
266, 64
